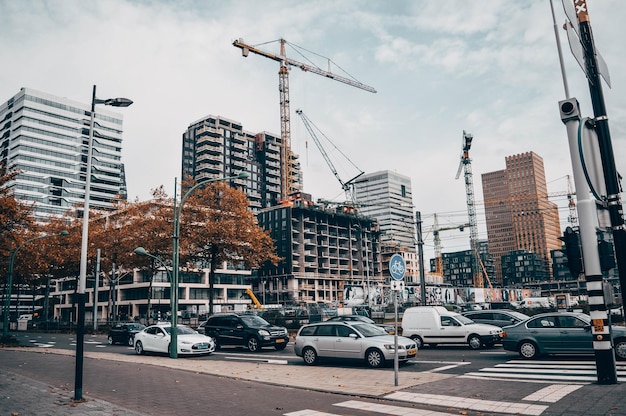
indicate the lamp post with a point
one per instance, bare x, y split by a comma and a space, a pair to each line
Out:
82, 278
7, 292
140, 251
175, 253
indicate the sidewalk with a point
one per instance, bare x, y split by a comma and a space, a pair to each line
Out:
455, 393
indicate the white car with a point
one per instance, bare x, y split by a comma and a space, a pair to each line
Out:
157, 338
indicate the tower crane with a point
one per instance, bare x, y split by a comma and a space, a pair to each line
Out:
466, 165
345, 185
438, 255
287, 185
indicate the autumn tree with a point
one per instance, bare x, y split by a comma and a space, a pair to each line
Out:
217, 226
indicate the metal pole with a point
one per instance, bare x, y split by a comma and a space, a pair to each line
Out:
395, 339
7, 294
613, 198
82, 277
95, 291
420, 245
174, 282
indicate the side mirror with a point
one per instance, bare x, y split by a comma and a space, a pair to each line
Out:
353, 336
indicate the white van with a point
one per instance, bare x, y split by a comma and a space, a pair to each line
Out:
434, 325
530, 303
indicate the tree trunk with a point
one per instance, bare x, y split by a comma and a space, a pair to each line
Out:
211, 277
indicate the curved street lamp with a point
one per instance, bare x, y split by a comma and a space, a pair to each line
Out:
82, 277
176, 256
7, 293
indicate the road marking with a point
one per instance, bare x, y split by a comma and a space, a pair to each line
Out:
389, 409
469, 403
309, 412
266, 360
452, 364
552, 394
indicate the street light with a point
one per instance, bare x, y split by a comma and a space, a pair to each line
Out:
140, 251
7, 292
175, 253
82, 278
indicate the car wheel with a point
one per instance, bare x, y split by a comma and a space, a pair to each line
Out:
374, 358
418, 341
620, 349
131, 341
253, 344
139, 348
528, 350
474, 342
110, 339
214, 338
281, 347
309, 356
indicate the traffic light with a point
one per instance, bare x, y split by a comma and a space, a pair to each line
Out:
607, 256
572, 251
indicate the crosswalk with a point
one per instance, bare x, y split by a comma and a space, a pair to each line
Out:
565, 372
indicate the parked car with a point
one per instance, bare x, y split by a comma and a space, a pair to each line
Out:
390, 329
157, 338
124, 333
250, 331
434, 325
497, 317
351, 340
558, 333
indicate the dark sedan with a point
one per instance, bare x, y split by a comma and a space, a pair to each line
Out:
390, 329
558, 333
497, 317
124, 333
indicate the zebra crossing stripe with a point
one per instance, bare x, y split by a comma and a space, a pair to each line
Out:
389, 409
469, 403
552, 394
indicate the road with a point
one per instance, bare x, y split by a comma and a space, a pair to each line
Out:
483, 378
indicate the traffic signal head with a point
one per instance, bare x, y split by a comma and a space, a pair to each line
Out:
572, 251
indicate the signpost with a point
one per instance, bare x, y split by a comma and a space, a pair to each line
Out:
397, 269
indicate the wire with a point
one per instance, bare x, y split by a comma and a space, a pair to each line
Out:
582, 158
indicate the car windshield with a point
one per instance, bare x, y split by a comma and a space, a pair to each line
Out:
135, 327
253, 320
369, 330
519, 315
180, 330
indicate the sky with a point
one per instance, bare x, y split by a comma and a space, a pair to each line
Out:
440, 67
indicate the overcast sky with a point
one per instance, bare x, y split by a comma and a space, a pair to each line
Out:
489, 67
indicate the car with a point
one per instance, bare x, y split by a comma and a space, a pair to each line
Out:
124, 333
390, 329
557, 333
434, 325
351, 340
247, 330
497, 317
157, 338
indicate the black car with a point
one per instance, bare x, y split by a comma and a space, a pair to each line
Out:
124, 333
250, 331
390, 329
497, 317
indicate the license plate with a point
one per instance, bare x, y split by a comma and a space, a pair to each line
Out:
412, 352
278, 341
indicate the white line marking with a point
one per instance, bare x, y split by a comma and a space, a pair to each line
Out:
268, 361
552, 394
389, 409
469, 403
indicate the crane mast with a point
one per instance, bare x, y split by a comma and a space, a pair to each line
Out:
466, 165
288, 186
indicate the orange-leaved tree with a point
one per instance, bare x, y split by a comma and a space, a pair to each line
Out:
216, 226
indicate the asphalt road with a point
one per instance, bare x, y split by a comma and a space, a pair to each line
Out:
452, 359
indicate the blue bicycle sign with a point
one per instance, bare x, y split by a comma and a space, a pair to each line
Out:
397, 267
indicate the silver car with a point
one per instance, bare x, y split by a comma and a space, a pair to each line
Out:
351, 340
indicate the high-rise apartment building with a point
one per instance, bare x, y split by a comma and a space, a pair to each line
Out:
387, 197
46, 137
215, 146
518, 213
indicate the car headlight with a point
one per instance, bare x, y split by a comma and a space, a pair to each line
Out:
264, 333
393, 347
185, 342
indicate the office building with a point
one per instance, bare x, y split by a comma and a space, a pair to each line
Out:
215, 147
387, 197
46, 138
523, 268
457, 266
518, 213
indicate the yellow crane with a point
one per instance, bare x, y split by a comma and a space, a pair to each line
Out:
287, 186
